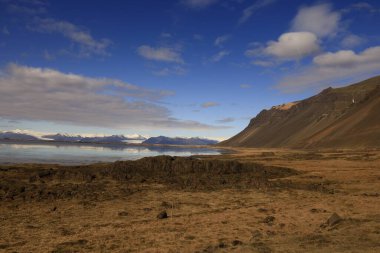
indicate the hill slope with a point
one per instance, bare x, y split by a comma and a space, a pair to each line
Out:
341, 117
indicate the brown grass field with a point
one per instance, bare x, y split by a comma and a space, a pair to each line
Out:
253, 200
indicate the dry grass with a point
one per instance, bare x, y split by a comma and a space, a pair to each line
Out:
286, 217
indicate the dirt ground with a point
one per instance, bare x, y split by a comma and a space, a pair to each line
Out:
249, 201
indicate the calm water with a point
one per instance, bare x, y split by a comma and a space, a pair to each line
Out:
82, 154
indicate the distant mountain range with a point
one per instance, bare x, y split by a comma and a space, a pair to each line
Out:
347, 117
62, 137
16, 136
97, 139
179, 141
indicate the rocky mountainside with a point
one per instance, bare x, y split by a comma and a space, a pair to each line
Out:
179, 141
347, 117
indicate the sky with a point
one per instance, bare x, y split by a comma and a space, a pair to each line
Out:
176, 68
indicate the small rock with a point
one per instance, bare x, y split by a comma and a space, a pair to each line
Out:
269, 220
317, 210
236, 242
189, 237
162, 215
123, 213
334, 219
222, 245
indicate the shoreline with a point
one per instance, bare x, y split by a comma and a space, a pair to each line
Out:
74, 153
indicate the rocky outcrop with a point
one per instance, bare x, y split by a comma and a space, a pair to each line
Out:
92, 182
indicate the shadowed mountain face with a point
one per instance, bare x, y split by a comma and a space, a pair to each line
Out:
342, 117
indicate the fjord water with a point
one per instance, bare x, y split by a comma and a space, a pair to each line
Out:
71, 154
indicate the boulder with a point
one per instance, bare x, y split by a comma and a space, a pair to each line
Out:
162, 215
334, 219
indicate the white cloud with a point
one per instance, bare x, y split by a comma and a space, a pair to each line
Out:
294, 45
352, 40
319, 19
219, 56
176, 70
332, 67
166, 54
41, 94
198, 4
26, 10
348, 58
82, 37
26, 7
219, 41
248, 12
209, 104
29, 132
226, 120
361, 6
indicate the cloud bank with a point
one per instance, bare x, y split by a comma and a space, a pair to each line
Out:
319, 19
219, 56
294, 45
329, 68
248, 12
42, 94
88, 44
289, 46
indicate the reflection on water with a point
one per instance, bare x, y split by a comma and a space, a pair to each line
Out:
17, 152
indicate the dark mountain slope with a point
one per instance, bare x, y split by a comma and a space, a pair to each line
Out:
342, 117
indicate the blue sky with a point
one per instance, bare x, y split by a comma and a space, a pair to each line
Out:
175, 68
